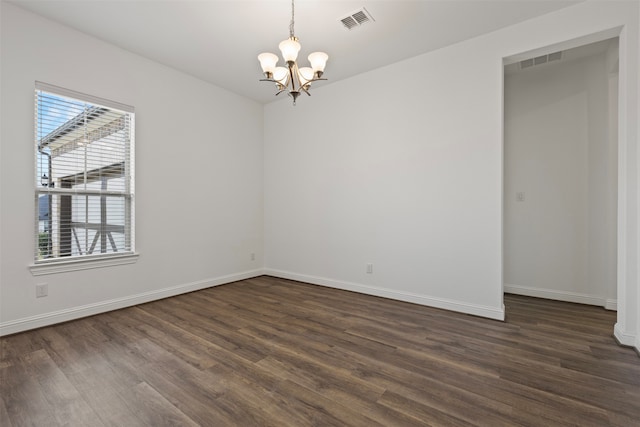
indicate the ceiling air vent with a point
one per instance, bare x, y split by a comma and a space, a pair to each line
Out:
357, 18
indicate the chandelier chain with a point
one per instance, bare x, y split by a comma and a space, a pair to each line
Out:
291, 32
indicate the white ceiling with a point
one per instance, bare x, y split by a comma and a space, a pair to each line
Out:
218, 40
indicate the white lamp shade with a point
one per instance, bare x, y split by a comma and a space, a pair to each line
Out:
306, 75
281, 75
289, 49
318, 61
268, 62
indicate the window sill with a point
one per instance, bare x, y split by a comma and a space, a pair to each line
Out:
58, 266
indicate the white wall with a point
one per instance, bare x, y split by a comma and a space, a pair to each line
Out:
560, 241
382, 169
199, 163
402, 167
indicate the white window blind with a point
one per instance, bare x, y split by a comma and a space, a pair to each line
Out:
84, 175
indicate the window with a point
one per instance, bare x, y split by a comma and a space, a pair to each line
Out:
84, 176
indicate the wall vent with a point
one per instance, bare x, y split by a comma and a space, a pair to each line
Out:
555, 56
356, 19
526, 63
539, 60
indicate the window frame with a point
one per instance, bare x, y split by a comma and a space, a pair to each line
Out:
86, 261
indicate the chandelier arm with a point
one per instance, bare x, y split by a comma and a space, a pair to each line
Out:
308, 83
284, 89
275, 81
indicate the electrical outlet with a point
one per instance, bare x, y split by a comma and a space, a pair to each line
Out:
369, 268
520, 196
252, 256
42, 290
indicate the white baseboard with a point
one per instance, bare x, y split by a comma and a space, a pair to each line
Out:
625, 338
459, 306
47, 319
609, 304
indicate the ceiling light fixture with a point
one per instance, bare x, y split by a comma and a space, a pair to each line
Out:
292, 79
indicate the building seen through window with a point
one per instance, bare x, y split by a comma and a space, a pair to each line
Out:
84, 179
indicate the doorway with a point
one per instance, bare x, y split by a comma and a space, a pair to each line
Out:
560, 174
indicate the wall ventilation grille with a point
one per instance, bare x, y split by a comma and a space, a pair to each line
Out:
538, 60
356, 19
555, 56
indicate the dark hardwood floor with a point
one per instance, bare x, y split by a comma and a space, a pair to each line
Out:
271, 352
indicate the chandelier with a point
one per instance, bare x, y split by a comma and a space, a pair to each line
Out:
292, 79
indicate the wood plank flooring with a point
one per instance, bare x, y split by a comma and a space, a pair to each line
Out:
272, 352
